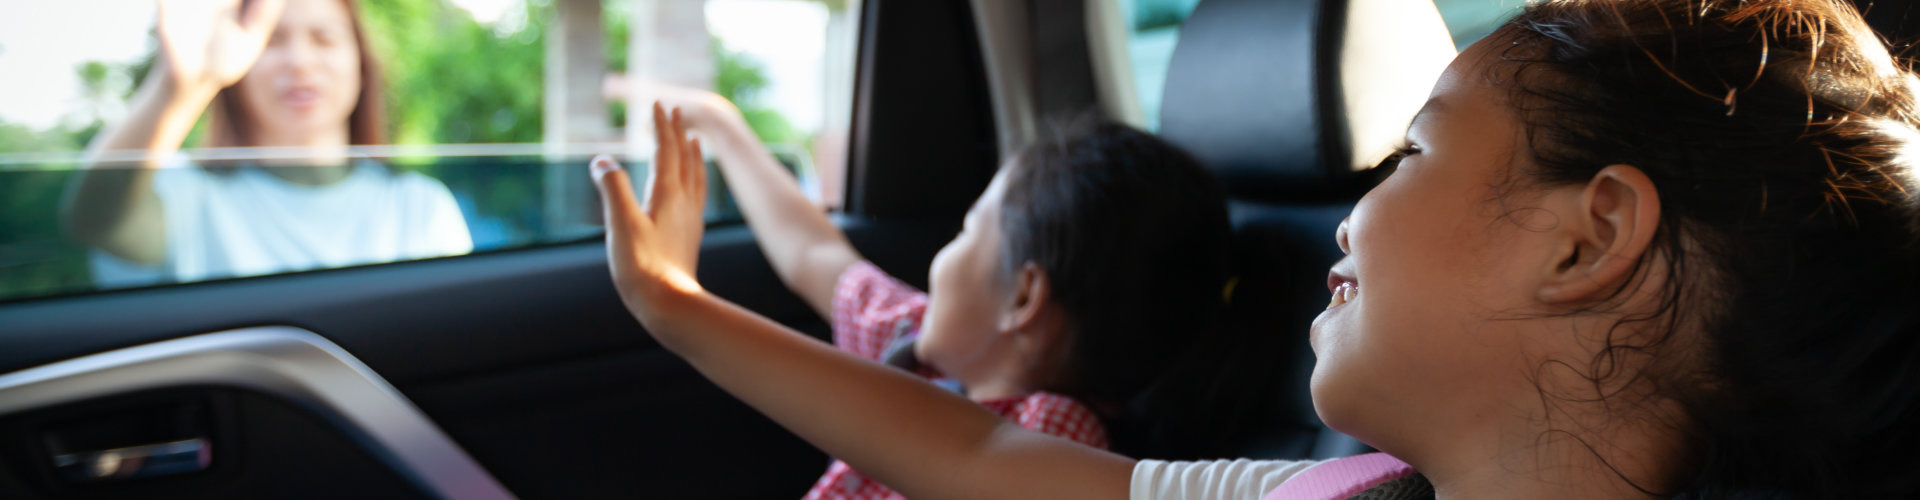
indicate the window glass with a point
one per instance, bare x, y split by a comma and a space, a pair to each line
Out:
370, 131
1469, 20
1153, 27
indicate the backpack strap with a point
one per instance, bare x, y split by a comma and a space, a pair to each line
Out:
1340, 478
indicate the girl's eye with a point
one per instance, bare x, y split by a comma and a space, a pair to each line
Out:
1400, 152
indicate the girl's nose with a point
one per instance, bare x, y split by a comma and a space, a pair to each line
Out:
1340, 236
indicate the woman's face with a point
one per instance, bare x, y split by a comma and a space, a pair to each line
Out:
1437, 258
306, 83
968, 289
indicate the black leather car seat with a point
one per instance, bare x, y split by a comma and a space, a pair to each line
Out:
1287, 101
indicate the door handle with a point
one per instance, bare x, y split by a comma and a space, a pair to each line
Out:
132, 462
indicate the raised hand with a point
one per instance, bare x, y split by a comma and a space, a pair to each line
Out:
655, 251
207, 45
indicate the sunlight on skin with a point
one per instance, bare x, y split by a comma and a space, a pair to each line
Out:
654, 251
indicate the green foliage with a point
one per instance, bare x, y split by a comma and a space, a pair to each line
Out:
452, 80
34, 260
614, 38
740, 78
17, 138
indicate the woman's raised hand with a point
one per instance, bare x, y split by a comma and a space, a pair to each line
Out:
654, 252
207, 45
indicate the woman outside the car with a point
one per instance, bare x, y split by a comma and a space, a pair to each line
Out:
294, 77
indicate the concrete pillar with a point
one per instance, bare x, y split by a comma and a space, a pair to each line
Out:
670, 44
575, 113
830, 145
575, 63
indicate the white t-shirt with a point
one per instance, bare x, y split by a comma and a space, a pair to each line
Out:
1240, 479
246, 222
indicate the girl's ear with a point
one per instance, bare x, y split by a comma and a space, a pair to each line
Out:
1032, 294
1617, 214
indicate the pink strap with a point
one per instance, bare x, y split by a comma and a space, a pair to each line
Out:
1341, 478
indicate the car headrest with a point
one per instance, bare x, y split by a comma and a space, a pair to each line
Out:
1285, 99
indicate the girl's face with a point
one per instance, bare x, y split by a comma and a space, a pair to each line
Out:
307, 82
968, 290
1435, 254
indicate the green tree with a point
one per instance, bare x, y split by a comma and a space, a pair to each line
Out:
741, 78
34, 259
19, 138
452, 80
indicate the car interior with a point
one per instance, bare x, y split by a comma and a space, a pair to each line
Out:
519, 374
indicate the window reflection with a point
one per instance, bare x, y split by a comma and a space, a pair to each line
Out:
252, 220
174, 141
293, 75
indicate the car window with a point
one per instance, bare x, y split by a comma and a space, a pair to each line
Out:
1469, 20
371, 131
1152, 28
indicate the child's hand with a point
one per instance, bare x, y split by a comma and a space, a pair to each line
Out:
703, 109
654, 253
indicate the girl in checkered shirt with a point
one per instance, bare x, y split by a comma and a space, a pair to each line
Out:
1089, 264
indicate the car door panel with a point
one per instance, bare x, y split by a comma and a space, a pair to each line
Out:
525, 358
275, 437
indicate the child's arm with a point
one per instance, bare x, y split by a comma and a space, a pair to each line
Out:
801, 244
916, 438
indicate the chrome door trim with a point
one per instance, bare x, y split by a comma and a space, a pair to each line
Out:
292, 363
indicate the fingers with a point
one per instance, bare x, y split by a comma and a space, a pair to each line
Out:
692, 203
697, 173
261, 16
666, 146
622, 214
678, 136
678, 164
697, 179
661, 177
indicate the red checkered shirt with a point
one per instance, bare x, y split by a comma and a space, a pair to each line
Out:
870, 310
